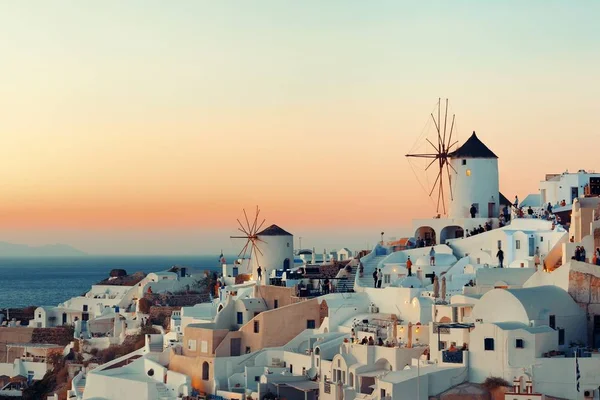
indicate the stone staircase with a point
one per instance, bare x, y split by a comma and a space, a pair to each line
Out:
347, 285
80, 387
163, 392
369, 267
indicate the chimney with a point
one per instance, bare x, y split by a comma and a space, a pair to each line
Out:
516, 385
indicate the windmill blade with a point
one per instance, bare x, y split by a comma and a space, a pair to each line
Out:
253, 231
450, 165
244, 232
260, 240
435, 184
437, 128
260, 226
256, 247
430, 164
442, 191
432, 145
445, 123
451, 129
247, 223
242, 226
244, 250
449, 180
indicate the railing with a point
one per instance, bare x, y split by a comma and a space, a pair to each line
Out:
452, 357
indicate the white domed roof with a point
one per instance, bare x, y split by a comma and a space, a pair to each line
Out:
408, 282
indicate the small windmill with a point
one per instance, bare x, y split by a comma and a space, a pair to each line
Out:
440, 155
252, 239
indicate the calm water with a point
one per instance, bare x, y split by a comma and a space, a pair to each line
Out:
49, 281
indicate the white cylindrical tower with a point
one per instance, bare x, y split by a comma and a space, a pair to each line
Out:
475, 182
277, 247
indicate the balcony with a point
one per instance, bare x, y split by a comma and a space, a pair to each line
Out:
452, 357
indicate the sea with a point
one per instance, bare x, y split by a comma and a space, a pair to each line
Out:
48, 281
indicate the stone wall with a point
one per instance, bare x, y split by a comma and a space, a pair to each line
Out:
61, 335
584, 288
177, 300
162, 315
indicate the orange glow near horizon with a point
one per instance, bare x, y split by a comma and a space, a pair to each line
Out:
180, 119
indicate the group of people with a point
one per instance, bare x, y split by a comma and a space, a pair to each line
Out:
479, 229
377, 277
422, 243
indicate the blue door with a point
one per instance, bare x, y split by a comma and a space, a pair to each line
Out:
531, 246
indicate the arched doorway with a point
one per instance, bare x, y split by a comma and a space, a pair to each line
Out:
427, 235
451, 232
204, 371
286, 264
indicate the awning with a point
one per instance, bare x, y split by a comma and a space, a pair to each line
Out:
304, 386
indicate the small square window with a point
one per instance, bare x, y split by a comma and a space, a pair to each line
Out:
519, 344
257, 379
464, 162
488, 344
310, 324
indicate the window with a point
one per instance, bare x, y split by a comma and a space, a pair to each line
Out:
488, 344
204, 346
40, 316
291, 369
248, 350
442, 345
257, 378
256, 327
464, 162
552, 321
191, 345
518, 244
317, 362
386, 278
310, 324
561, 337
275, 303
383, 393
240, 318
85, 307
519, 344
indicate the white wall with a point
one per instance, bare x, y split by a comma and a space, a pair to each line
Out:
481, 187
275, 249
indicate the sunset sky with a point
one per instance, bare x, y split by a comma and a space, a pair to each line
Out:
144, 127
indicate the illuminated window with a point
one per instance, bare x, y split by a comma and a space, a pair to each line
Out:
468, 172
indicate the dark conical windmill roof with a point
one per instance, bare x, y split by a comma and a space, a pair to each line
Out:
273, 230
473, 148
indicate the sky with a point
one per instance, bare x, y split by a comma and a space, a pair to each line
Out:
145, 127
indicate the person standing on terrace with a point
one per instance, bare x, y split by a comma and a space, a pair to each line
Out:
409, 266
432, 256
500, 256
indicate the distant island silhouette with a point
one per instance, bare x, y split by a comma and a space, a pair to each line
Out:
48, 250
